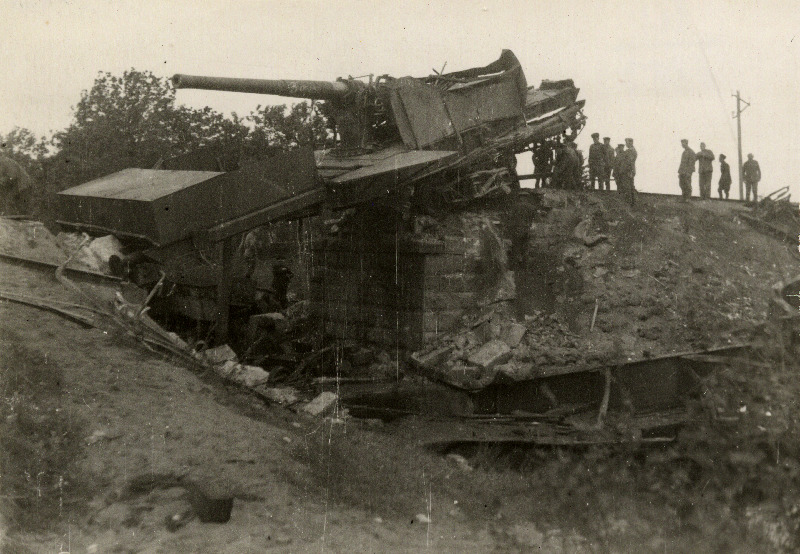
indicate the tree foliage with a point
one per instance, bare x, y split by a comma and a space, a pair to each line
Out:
29, 151
274, 129
133, 120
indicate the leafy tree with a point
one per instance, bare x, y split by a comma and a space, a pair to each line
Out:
274, 129
22, 174
22, 146
133, 121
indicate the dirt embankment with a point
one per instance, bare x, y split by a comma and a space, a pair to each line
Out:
602, 283
668, 277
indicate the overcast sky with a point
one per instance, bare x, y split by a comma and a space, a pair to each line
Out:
654, 71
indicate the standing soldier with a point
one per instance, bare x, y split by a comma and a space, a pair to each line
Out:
725, 177
704, 170
520, 216
560, 167
609, 162
567, 171
752, 175
632, 154
597, 162
510, 163
624, 171
618, 159
685, 170
542, 163
577, 166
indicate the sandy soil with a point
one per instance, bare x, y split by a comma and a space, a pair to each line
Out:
154, 417
145, 415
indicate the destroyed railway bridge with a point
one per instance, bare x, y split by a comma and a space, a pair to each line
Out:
384, 272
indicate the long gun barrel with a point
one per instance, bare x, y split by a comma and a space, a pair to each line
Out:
315, 90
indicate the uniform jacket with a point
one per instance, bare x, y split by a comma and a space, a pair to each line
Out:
597, 156
632, 155
610, 155
705, 157
751, 172
687, 162
624, 164
725, 173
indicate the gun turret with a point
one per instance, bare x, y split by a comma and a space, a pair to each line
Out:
313, 90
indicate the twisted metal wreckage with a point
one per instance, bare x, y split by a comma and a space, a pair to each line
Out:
444, 139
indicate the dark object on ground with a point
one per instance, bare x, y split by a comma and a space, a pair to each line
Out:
210, 510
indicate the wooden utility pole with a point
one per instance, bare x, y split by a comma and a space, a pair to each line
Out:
738, 117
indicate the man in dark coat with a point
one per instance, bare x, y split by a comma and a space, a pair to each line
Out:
724, 178
609, 162
751, 172
520, 216
542, 163
577, 168
632, 154
567, 167
597, 161
685, 170
704, 170
624, 170
617, 161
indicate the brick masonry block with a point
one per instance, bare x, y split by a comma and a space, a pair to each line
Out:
461, 245
491, 354
441, 320
445, 300
448, 263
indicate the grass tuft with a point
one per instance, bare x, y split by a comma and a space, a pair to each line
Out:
40, 440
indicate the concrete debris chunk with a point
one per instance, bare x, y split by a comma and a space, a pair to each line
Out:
512, 333
247, 375
322, 405
433, 358
220, 354
102, 248
278, 395
492, 353
251, 376
583, 234
227, 369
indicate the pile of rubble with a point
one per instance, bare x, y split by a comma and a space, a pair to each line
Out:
32, 241
495, 347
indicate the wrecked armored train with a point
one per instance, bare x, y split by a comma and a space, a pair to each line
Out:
417, 138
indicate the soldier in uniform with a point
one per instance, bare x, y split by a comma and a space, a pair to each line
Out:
542, 163
520, 216
597, 162
624, 170
704, 170
577, 167
609, 162
510, 161
567, 167
751, 172
685, 170
616, 169
632, 154
724, 178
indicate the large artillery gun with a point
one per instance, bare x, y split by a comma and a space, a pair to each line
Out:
408, 135
413, 144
